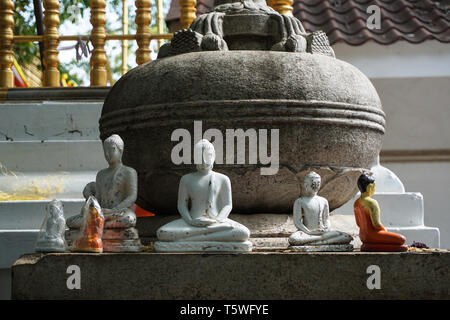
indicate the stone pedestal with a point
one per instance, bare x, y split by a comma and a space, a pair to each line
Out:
243, 276
323, 248
203, 246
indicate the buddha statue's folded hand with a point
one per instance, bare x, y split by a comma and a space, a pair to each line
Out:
112, 214
202, 222
316, 232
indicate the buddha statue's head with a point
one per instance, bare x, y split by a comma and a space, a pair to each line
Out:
55, 207
113, 149
312, 184
204, 155
366, 184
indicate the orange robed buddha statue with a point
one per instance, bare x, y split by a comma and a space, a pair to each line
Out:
91, 235
367, 214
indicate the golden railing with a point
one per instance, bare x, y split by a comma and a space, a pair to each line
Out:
281, 6
98, 36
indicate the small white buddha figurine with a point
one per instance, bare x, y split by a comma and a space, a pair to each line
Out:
115, 188
311, 217
51, 235
204, 202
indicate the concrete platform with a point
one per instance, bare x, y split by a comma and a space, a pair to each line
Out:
256, 275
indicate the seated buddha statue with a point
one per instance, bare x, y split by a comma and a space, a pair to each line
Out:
367, 215
115, 188
311, 217
204, 203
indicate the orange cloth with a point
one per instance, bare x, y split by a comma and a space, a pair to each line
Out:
92, 235
142, 212
369, 234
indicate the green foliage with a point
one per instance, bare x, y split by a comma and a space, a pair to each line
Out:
25, 24
65, 13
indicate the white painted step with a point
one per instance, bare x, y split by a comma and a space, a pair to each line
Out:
46, 120
428, 235
61, 185
66, 155
29, 214
397, 209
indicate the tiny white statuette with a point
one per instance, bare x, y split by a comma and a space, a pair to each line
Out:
311, 217
51, 235
204, 203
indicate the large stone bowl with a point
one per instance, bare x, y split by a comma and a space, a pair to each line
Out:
328, 114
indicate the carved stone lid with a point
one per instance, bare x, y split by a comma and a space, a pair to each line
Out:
245, 25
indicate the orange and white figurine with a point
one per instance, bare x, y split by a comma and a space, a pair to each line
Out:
90, 239
372, 233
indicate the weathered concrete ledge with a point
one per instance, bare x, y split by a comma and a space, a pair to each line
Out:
257, 275
54, 94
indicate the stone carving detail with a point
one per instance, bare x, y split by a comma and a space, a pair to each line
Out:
318, 43
206, 32
184, 41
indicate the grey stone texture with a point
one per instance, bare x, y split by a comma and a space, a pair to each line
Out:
328, 114
257, 275
323, 248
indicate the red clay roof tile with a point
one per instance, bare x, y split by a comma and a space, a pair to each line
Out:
345, 20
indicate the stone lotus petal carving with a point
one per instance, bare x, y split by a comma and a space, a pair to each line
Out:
255, 193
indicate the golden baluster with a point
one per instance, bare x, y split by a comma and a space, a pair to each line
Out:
6, 43
282, 6
98, 39
160, 21
124, 68
188, 10
143, 19
51, 40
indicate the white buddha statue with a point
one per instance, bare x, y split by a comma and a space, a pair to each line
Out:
204, 203
311, 217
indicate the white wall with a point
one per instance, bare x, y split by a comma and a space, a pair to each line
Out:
432, 179
413, 82
401, 59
